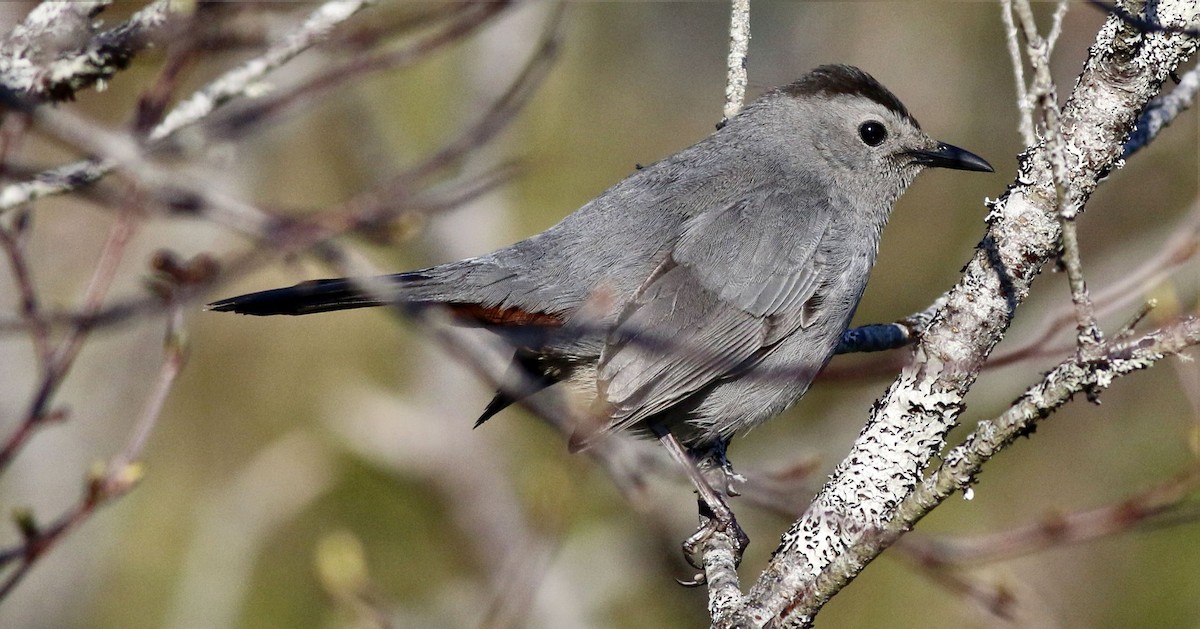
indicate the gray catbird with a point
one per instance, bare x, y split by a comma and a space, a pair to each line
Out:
702, 294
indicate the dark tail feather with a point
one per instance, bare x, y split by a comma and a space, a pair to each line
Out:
521, 380
303, 298
498, 403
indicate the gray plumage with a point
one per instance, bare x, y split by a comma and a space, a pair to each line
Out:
704, 292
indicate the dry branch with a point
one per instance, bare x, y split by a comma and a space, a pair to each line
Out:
859, 511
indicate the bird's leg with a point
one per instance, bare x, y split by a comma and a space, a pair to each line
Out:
715, 515
878, 337
712, 461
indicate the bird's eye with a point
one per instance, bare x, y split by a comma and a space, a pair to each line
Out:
872, 132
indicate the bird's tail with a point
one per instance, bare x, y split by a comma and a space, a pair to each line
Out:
310, 297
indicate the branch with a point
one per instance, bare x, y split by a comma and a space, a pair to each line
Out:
721, 552
855, 515
1117, 358
393, 200
1162, 111
25, 71
64, 354
236, 82
120, 476
739, 45
1165, 502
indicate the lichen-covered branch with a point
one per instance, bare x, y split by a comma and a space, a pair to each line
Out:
739, 45
1077, 375
1162, 111
237, 81
53, 54
855, 515
203, 102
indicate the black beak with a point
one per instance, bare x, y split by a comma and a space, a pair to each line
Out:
947, 156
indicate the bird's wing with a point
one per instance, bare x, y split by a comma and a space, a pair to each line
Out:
740, 278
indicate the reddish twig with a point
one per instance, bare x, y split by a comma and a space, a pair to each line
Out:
119, 477
13, 243
1164, 502
64, 354
393, 200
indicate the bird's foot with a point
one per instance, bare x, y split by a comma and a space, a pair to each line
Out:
694, 546
715, 515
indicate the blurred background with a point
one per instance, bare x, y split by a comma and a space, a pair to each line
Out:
322, 471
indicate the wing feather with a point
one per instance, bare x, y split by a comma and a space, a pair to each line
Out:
736, 283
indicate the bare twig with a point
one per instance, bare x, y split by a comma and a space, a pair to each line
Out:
1056, 23
39, 332
468, 17
68, 348
237, 81
119, 477
964, 462
1182, 247
175, 355
1024, 102
202, 103
392, 200
1162, 502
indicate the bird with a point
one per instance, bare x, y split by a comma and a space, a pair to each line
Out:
700, 295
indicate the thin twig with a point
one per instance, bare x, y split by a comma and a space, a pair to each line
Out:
1024, 103
1073, 376
65, 352
118, 478
1044, 92
1166, 501
1056, 23
1182, 247
31, 312
174, 358
233, 83
468, 18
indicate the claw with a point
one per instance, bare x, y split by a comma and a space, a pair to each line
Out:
694, 582
715, 515
692, 545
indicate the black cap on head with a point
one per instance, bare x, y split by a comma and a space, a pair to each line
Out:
832, 80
